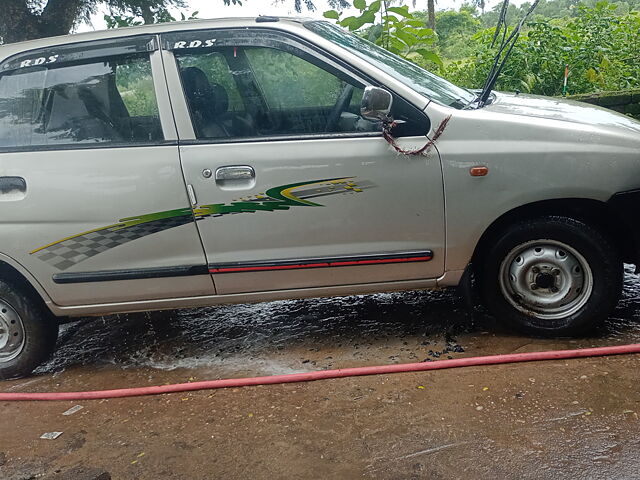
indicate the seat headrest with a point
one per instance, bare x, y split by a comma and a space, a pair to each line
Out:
208, 100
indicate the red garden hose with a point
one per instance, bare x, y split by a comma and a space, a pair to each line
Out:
325, 374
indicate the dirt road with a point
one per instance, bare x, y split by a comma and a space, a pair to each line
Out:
558, 419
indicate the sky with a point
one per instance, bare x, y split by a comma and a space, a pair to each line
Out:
253, 8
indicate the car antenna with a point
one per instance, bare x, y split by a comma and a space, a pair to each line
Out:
506, 46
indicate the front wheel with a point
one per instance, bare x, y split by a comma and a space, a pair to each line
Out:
551, 276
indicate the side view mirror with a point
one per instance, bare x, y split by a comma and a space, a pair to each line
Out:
376, 104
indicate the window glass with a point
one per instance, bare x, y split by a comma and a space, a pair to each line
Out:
217, 71
258, 91
415, 77
291, 82
106, 100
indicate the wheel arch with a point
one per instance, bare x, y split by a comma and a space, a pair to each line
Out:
599, 214
15, 273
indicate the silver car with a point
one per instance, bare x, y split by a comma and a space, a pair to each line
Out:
247, 160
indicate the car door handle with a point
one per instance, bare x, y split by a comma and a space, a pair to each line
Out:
235, 172
12, 188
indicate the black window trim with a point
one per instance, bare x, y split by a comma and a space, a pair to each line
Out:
110, 47
80, 51
280, 138
257, 38
88, 146
321, 56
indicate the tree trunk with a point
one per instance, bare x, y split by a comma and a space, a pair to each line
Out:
431, 11
18, 22
147, 14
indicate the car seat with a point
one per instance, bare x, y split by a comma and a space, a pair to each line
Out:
209, 104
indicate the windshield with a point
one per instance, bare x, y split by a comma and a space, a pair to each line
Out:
415, 77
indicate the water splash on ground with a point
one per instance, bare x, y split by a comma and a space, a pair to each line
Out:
274, 337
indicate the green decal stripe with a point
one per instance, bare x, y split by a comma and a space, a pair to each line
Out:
282, 193
151, 217
278, 198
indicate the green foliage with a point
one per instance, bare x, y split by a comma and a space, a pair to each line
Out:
135, 84
160, 15
455, 30
215, 67
599, 45
120, 21
306, 84
450, 23
394, 28
553, 9
140, 99
29, 19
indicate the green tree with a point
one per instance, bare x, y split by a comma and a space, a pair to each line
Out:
599, 44
28, 19
454, 31
432, 22
398, 30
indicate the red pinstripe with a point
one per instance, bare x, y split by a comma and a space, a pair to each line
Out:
345, 263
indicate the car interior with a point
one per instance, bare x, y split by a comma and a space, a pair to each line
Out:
206, 81
75, 103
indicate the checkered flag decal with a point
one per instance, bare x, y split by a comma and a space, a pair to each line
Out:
73, 250
67, 253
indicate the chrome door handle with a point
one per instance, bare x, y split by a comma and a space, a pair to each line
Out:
236, 172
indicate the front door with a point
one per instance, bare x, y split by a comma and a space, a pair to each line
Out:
291, 187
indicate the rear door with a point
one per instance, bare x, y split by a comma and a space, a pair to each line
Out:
92, 197
291, 187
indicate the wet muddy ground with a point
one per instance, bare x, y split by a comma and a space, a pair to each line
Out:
557, 419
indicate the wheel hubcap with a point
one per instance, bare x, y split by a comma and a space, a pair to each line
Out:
546, 279
11, 333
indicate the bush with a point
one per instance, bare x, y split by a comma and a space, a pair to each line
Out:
599, 45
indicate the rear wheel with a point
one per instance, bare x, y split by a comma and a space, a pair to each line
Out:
28, 332
551, 276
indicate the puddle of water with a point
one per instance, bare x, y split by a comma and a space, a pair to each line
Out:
228, 334
623, 324
282, 337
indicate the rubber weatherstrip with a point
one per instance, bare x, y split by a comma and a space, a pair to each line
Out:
132, 274
237, 267
294, 264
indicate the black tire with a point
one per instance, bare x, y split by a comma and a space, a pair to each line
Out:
39, 331
603, 277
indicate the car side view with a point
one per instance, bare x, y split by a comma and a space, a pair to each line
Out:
248, 160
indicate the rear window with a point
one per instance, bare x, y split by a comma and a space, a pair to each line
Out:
105, 100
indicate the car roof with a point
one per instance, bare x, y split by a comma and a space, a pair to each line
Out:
280, 23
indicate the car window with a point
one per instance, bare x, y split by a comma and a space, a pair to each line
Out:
251, 91
217, 71
107, 100
412, 75
288, 81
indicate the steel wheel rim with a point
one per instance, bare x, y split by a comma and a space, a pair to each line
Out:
546, 279
12, 335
